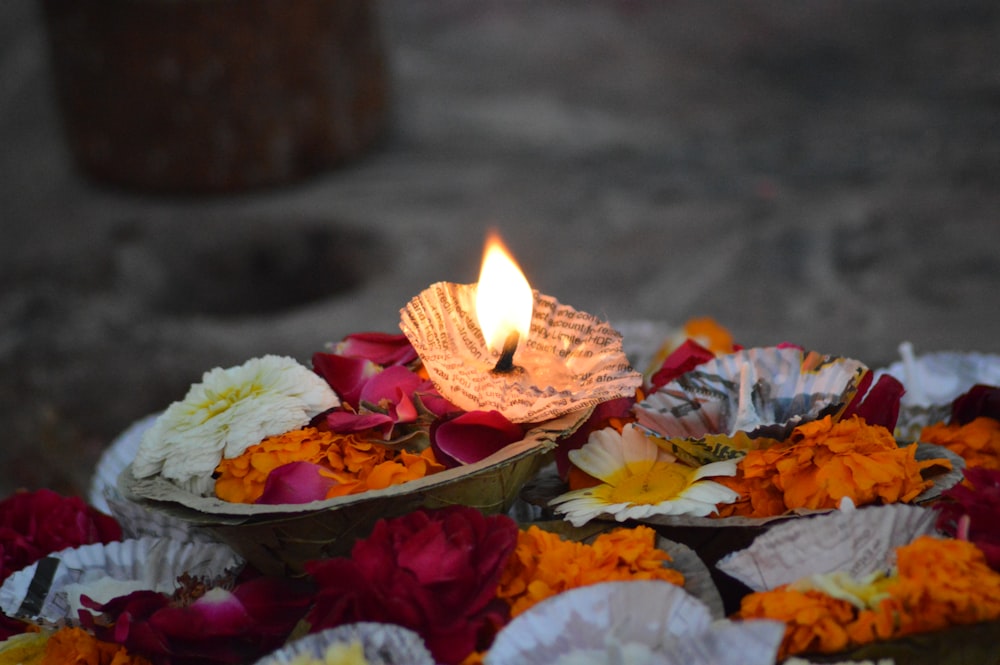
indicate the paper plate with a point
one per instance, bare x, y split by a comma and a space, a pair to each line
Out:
278, 539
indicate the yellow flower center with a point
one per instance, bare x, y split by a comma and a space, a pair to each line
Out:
659, 482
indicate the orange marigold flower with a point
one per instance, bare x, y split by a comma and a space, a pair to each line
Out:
977, 442
78, 647
824, 461
944, 582
356, 464
814, 622
543, 564
939, 583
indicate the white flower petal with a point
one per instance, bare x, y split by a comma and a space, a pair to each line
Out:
721, 468
229, 411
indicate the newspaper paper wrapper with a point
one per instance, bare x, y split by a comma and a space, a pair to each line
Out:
745, 400
382, 644
855, 541
649, 617
48, 591
933, 381
278, 539
570, 360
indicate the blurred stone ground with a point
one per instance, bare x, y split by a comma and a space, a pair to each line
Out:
825, 173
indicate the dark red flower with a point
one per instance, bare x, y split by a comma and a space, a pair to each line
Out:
296, 482
878, 406
435, 572
35, 524
973, 513
980, 401
469, 436
221, 626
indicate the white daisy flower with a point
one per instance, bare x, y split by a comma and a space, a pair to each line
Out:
229, 411
640, 479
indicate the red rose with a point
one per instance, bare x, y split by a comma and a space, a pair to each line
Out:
435, 572
35, 524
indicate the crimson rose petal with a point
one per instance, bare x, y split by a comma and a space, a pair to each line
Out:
467, 437
381, 348
296, 482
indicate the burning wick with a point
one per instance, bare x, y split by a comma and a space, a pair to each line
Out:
505, 365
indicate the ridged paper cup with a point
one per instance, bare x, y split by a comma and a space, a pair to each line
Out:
48, 591
656, 621
571, 360
745, 400
381, 644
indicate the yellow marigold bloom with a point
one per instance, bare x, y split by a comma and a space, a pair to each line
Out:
543, 564
824, 462
356, 464
977, 442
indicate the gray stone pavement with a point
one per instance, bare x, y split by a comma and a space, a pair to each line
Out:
824, 173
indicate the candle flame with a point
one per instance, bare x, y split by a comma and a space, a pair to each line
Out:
503, 296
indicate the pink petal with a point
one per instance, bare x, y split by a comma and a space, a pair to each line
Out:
347, 376
389, 384
471, 436
346, 422
296, 482
381, 348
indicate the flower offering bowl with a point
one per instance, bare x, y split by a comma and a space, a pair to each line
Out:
279, 539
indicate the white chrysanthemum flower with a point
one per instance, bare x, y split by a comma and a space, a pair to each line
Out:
640, 479
229, 411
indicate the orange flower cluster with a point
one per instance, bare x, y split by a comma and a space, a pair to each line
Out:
939, 583
75, 646
543, 564
978, 441
356, 464
822, 462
